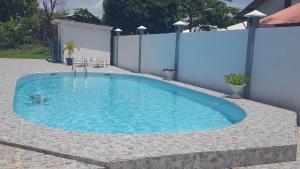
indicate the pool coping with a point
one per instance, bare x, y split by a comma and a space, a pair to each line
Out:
267, 135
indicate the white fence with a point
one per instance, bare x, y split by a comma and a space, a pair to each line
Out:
205, 57
128, 52
157, 53
276, 67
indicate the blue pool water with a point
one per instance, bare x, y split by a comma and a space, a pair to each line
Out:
119, 104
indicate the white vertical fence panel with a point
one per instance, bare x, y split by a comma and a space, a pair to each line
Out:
128, 52
276, 67
205, 57
158, 52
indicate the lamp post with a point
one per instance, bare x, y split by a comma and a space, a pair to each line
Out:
141, 31
179, 29
252, 23
118, 33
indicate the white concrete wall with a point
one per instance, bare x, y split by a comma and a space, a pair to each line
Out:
128, 52
276, 67
93, 42
205, 57
158, 52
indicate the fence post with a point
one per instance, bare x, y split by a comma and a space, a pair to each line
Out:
118, 32
141, 31
112, 49
179, 29
252, 23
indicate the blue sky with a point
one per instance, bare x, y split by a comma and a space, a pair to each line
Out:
240, 3
95, 6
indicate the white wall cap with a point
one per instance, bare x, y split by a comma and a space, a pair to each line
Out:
255, 13
80, 24
142, 28
118, 30
180, 23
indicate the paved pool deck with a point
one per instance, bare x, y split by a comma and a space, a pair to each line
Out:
286, 165
267, 135
16, 158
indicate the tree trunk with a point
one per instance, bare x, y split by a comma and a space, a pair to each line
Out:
191, 24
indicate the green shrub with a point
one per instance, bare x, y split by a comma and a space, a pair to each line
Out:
12, 33
236, 79
2, 37
15, 33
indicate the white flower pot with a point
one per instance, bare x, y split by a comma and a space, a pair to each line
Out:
236, 90
169, 75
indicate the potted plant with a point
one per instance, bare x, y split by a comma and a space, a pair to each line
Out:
168, 73
237, 83
70, 48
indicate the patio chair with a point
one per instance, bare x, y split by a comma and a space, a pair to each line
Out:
97, 62
89, 61
102, 62
93, 62
86, 61
78, 61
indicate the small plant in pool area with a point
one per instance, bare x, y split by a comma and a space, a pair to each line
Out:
237, 82
236, 79
70, 48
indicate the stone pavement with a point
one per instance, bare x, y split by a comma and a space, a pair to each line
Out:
15, 158
289, 165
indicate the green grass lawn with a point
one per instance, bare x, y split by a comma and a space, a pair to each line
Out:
26, 52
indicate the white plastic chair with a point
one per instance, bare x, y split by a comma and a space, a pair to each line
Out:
78, 61
97, 64
93, 62
102, 62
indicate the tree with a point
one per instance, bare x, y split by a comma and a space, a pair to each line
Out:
219, 14
13, 33
205, 13
157, 15
17, 9
2, 36
70, 48
83, 15
50, 8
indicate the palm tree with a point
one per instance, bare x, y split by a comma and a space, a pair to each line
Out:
70, 48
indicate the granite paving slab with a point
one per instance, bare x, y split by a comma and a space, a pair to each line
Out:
15, 158
267, 135
286, 165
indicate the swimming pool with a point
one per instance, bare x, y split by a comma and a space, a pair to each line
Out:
119, 104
